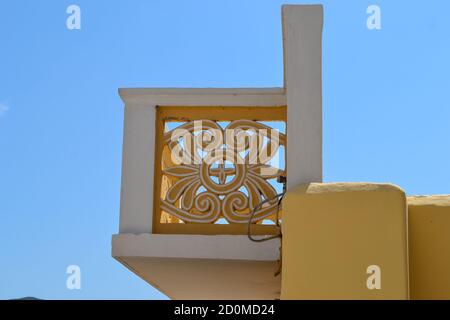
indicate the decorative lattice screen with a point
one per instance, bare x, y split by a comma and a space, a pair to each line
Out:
215, 165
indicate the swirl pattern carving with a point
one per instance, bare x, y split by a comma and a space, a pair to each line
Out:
222, 172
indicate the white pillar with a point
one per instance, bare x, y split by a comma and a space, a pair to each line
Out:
136, 200
302, 41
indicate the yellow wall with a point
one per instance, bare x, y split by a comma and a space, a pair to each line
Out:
429, 247
333, 232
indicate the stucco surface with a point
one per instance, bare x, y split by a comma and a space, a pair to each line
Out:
429, 246
333, 232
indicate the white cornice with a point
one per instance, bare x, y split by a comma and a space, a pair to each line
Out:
203, 96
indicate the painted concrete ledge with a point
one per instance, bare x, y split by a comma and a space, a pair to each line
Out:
433, 201
203, 96
221, 247
202, 267
429, 246
316, 188
335, 233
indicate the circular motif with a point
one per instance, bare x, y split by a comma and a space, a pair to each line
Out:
225, 188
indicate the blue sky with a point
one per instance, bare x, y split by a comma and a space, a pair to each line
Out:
386, 112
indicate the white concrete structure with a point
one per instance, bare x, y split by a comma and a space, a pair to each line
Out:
302, 40
219, 266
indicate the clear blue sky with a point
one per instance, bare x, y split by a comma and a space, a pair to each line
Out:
386, 112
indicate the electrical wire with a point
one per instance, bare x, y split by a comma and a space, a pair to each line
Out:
278, 196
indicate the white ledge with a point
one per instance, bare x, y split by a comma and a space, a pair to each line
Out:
204, 96
222, 247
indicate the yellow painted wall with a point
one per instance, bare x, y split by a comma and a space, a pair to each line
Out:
333, 232
429, 247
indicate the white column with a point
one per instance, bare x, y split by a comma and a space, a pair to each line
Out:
302, 41
136, 201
